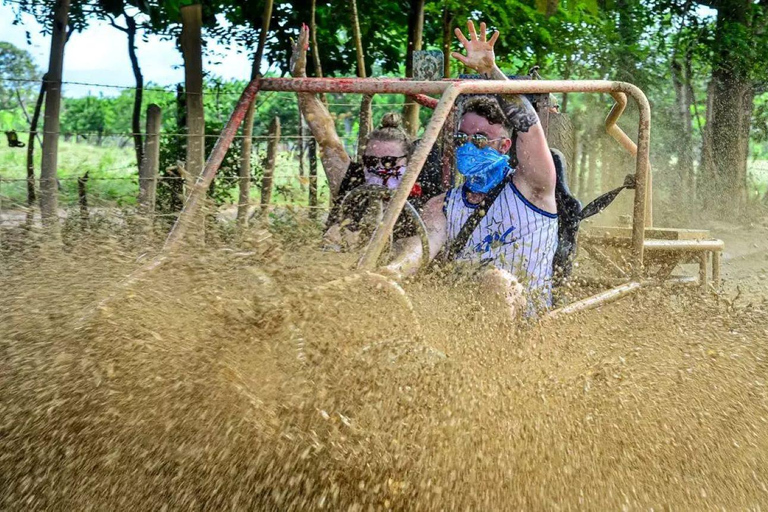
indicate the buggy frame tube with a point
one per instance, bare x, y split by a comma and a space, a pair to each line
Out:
622, 138
450, 90
194, 202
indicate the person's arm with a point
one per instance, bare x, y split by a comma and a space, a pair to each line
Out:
535, 165
408, 252
332, 153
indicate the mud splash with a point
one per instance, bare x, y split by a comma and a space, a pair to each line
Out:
226, 380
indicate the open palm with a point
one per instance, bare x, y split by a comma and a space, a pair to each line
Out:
480, 55
298, 62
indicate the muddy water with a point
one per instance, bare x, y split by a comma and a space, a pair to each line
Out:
227, 380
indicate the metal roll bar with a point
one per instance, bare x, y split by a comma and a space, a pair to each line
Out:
449, 91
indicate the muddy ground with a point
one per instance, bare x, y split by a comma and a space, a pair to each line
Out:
229, 379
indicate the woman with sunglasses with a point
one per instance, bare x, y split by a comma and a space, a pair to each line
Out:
386, 152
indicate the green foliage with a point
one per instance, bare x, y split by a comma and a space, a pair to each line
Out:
18, 82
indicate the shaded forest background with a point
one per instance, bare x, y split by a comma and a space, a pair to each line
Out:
699, 62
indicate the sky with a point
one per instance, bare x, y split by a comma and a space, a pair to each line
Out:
99, 54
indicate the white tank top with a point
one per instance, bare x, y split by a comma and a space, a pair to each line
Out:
514, 235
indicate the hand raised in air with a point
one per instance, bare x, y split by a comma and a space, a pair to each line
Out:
298, 63
480, 55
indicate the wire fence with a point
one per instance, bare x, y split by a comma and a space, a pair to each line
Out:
97, 169
105, 179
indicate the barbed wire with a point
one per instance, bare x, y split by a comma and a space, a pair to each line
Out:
168, 90
178, 134
137, 178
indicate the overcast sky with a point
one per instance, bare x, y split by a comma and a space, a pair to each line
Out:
100, 55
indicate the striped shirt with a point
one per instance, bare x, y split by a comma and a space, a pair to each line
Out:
514, 235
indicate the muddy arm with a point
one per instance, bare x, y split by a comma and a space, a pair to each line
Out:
332, 153
408, 252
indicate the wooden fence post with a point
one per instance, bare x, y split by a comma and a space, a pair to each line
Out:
82, 197
150, 161
269, 168
302, 170
312, 178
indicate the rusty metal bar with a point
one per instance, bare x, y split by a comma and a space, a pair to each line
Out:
605, 297
703, 264
684, 245
354, 85
613, 129
424, 100
716, 269
194, 202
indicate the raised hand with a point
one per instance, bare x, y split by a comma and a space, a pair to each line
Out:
480, 55
299, 54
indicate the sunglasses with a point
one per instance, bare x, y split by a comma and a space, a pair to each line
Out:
384, 162
478, 139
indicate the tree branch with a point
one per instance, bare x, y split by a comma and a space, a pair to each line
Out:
114, 24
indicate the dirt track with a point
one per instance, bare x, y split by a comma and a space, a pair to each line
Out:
206, 389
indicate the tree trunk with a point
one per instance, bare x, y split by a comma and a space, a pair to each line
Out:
365, 125
358, 39
680, 80
138, 95
583, 169
592, 168
447, 39
415, 31
192, 50
49, 204
729, 125
315, 48
82, 199
31, 144
269, 166
151, 160
302, 170
312, 178
365, 119
245, 158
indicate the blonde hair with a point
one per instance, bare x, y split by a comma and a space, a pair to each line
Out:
390, 129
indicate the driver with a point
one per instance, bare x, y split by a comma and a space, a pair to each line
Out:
387, 150
515, 239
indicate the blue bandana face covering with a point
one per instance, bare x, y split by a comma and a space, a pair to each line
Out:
483, 168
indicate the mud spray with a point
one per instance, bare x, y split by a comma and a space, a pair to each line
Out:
225, 380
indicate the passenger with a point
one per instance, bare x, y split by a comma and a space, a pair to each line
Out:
387, 150
515, 238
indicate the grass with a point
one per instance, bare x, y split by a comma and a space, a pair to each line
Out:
113, 174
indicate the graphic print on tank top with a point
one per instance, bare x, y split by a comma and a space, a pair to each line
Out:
514, 235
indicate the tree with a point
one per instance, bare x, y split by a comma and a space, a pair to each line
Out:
415, 33
114, 9
18, 75
736, 63
87, 115
48, 171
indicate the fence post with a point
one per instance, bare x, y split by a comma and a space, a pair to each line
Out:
151, 160
312, 178
269, 168
302, 170
82, 197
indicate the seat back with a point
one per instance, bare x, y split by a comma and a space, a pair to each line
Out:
569, 216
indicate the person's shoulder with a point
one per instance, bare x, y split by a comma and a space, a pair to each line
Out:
437, 201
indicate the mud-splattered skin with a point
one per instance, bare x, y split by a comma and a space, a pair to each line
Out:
519, 112
332, 153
